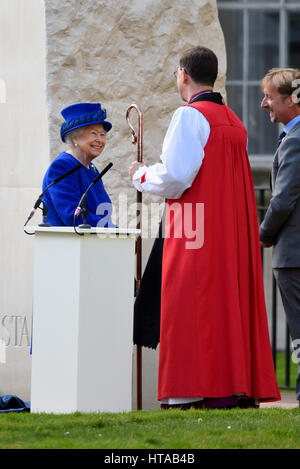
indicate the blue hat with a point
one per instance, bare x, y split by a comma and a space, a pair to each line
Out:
81, 115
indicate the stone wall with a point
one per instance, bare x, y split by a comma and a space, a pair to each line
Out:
119, 53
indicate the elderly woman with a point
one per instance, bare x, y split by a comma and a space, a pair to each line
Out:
84, 132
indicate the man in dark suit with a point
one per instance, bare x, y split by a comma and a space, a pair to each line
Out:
281, 226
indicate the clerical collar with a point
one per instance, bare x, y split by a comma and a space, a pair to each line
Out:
198, 94
212, 96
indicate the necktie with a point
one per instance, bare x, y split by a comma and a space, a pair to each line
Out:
281, 137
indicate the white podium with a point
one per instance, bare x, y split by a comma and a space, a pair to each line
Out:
82, 320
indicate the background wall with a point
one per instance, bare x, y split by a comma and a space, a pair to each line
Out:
23, 159
53, 54
123, 52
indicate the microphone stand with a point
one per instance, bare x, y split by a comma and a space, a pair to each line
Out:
40, 198
81, 208
84, 213
44, 215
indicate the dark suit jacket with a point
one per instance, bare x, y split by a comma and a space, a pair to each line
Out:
281, 225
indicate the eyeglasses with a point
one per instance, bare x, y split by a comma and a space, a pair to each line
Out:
176, 71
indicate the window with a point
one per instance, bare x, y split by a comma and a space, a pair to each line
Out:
259, 35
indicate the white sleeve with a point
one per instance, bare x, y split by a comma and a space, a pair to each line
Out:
181, 158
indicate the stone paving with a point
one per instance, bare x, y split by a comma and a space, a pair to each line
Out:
288, 401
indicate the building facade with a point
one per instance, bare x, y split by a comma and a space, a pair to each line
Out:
259, 35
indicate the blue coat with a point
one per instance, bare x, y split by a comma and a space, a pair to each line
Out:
62, 198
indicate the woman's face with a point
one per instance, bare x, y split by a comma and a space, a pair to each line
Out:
92, 141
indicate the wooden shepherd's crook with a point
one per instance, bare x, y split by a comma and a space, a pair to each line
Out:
138, 139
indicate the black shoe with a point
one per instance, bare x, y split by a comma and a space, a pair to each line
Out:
246, 403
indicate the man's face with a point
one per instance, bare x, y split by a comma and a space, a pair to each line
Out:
276, 104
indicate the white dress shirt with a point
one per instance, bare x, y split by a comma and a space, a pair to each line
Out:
181, 158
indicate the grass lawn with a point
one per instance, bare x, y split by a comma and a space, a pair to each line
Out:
154, 429
268, 428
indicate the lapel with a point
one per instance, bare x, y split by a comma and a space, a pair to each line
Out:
275, 165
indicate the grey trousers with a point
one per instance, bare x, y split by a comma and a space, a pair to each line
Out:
288, 281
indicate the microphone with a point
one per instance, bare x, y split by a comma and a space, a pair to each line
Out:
55, 181
83, 198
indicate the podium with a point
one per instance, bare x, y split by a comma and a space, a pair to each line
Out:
82, 320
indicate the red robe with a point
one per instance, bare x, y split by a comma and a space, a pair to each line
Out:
214, 338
